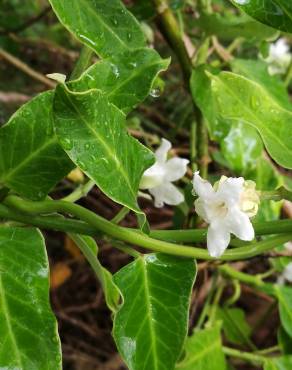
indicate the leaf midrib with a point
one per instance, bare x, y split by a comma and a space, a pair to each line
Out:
33, 154
119, 166
149, 314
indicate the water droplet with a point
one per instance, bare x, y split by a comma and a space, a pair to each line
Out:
87, 146
87, 39
115, 21
81, 164
129, 36
66, 143
155, 93
115, 70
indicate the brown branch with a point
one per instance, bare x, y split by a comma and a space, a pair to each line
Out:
26, 69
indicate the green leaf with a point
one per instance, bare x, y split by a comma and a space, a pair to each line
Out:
33, 162
89, 248
92, 131
285, 342
267, 177
274, 13
279, 263
230, 27
151, 325
105, 26
203, 351
234, 325
241, 147
126, 79
284, 296
202, 94
29, 339
240, 99
257, 70
278, 363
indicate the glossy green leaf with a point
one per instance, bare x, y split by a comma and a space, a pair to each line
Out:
33, 162
105, 26
203, 351
284, 296
92, 131
230, 27
89, 248
126, 80
29, 339
202, 94
151, 325
240, 99
241, 147
278, 363
274, 13
257, 70
235, 326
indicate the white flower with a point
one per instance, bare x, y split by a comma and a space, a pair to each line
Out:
286, 274
226, 207
288, 246
159, 177
279, 57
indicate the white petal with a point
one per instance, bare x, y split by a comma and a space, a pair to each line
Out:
239, 224
229, 190
201, 207
218, 239
202, 187
161, 152
153, 176
287, 273
166, 193
175, 168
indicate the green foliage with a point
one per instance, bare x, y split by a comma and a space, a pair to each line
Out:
108, 29
240, 99
28, 327
151, 325
120, 77
89, 248
34, 161
203, 351
284, 296
92, 132
235, 327
278, 363
275, 13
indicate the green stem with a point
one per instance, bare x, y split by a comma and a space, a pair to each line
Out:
120, 215
241, 276
196, 235
171, 30
80, 192
132, 236
251, 357
82, 63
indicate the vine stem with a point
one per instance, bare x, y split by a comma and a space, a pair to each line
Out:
132, 236
82, 62
251, 357
171, 31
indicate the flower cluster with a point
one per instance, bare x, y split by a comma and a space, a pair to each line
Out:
227, 206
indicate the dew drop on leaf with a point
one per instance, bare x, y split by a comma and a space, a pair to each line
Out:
66, 143
155, 93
